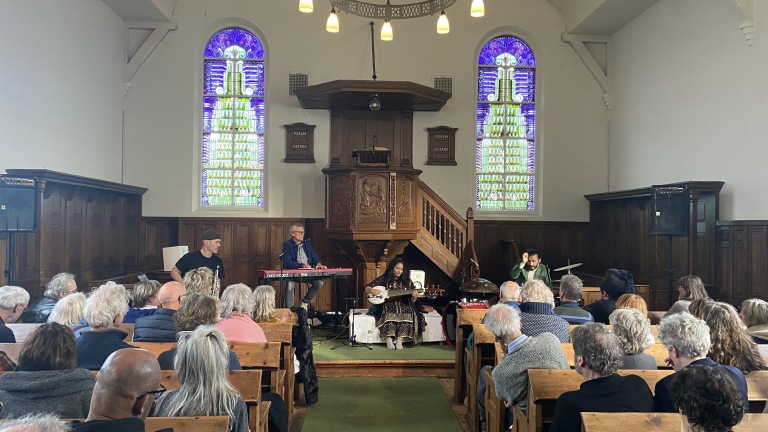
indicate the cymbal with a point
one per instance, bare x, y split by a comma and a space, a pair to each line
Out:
568, 267
480, 285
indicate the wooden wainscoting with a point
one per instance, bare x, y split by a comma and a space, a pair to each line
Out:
742, 261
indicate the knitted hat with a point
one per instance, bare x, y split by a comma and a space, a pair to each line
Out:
211, 235
618, 282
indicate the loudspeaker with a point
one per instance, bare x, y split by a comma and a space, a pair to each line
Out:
18, 204
670, 210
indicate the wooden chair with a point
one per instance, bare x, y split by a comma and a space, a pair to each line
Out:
657, 422
186, 424
464, 320
546, 385
246, 382
657, 351
482, 353
282, 333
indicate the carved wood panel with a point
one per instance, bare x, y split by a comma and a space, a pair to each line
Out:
372, 192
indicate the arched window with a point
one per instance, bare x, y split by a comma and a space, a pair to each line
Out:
233, 120
505, 152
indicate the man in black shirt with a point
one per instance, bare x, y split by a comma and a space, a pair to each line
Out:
201, 258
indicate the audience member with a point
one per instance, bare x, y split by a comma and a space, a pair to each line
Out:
570, 294
614, 285
632, 329
707, 399
687, 341
699, 308
46, 380
104, 311
236, 322
69, 312
199, 280
597, 356
264, 306
144, 300
159, 327
689, 288
731, 345
196, 310
201, 363
60, 286
520, 354
13, 301
126, 387
509, 293
536, 312
754, 314
632, 301
34, 423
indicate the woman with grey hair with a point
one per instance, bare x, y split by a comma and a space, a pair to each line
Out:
69, 311
754, 314
199, 280
633, 329
104, 310
236, 322
60, 286
201, 367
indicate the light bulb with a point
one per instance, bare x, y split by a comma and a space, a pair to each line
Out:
305, 6
332, 25
442, 24
478, 8
386, 32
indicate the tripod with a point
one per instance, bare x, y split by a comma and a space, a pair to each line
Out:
352, 341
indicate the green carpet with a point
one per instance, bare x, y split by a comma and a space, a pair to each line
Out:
381, 404
427, 351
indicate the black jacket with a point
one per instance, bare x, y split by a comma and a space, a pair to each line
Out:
158, 327
302, 340
93, 347
38, 311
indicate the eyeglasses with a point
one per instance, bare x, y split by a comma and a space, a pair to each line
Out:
156, 393
298, 232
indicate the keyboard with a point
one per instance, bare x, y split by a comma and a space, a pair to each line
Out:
304, 273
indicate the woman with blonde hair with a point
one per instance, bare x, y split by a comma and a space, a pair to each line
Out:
201, 367
264, 306
69, 311
689, 289
731, 345
236, 322
754, 314
633, 329
199, 280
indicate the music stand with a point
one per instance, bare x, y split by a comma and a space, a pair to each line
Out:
352, 341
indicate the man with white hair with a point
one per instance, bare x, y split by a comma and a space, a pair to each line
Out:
160, 326
104, 310
34, 423
520, 354
537, 312
60, 286
687, 341
13, 301
509, 293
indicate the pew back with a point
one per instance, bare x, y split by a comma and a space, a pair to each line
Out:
465, 318
657, 422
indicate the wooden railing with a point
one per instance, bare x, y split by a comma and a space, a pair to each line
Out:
444, 233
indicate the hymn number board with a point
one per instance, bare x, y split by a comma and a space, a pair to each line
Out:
441, 147
300, 143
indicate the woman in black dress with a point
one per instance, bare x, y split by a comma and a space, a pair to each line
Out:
398, 317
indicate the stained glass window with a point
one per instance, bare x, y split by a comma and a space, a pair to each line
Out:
233, 120
505, 150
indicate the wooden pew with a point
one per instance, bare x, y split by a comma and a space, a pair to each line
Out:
282, 333
128, 328
246, 382
294, 318
482, 353
546, 385
12, 350
657, 351
654, 331
757, 388
657, 422
464, 320
22, 330
186, 424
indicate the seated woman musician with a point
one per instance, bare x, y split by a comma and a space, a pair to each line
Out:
399, 317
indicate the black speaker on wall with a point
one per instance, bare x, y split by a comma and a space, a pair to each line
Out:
18, 204
670, 210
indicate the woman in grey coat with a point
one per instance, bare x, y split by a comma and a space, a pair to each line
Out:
633, 328
46, 380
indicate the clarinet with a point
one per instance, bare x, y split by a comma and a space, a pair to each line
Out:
216, 283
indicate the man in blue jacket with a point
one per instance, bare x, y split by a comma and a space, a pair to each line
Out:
298, 253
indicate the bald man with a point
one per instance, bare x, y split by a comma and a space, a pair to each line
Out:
160, 326
126, 387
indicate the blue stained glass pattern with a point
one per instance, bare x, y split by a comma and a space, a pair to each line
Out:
506, 44
218, 44
505, 162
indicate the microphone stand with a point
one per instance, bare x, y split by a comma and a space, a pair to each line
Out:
282, 281
352, 341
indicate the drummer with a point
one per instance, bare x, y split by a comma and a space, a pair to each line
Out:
529, 267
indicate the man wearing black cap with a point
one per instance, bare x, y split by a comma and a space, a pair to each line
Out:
616, 283
201, 258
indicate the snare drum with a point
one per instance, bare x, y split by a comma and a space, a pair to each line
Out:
449, 317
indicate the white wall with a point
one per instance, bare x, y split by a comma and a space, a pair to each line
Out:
689, 98
162, 107
60, 77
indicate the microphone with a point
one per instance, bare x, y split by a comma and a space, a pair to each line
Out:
279, 257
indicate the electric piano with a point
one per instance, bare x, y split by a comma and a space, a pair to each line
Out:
304, 274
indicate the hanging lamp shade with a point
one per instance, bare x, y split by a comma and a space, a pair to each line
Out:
477, 9
386, 32
443, 27
332, 25
306, 6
